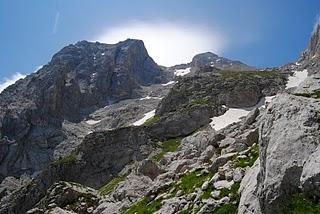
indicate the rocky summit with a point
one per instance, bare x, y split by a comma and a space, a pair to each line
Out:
103, 129
79, 79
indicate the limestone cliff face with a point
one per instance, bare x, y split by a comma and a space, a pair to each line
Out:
289, 140
289, 145
213, 60
99, 158
313, 50
175, 162
235, 89
79, 79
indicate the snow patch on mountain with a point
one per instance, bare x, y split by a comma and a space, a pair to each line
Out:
297, 78
182, 72
169, 83
233, 115
93, 122
147, 116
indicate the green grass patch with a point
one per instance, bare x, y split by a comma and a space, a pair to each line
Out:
315, 94
249, 161
207, 193
144, 206
110, 186
301, 204
232, 207
168, 146
193, 104
69, 159
233, 190
192, 180
226, 209
187, 211
152, 120
249, 74
200, 102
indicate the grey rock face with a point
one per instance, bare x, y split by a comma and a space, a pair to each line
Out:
79, 79
249, 201
313, 50
213, 60
251, 117
310, 177
183, 122
92, 164
127, 193
68, 196
150, 168
233, 89
288, 139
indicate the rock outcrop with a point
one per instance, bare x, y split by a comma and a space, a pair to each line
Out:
92, 164
209, 59
231, 88
79, 79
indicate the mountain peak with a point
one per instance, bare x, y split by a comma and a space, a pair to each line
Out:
313, 50
314, 46
213, 60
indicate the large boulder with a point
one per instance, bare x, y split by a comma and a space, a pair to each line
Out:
289, 139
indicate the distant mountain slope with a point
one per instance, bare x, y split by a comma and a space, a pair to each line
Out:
213, 60
209, 59
79, 79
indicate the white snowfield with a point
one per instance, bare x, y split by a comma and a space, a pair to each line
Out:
182, 72
233, 115
93, 122
147, 116
297, 78
169, 83
148, 98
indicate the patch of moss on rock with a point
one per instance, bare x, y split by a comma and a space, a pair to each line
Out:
315, 94
301, 204
226, 209
152, 120
248, 74
192, 180
168, 146
110, 186
249, 161
69, 159
145, 206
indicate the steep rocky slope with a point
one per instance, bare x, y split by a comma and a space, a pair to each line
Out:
287, 175
176, 162
213, 60
38, 113
209, 59
101, 156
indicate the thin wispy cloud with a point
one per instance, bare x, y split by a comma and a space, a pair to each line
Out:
56, 23
9, 81
14, 78
168, 43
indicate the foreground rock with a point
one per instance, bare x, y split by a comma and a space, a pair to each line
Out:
69, 198
92, 164
290, 126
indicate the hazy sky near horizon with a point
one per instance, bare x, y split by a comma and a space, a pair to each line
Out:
261, 33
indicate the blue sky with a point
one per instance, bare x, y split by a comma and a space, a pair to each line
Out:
261, 33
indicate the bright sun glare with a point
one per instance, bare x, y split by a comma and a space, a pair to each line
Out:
168, 43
